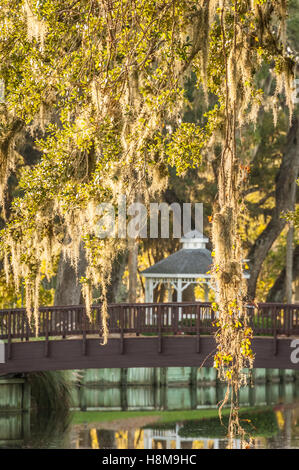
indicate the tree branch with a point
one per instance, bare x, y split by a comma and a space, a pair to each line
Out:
278, 291
286, 177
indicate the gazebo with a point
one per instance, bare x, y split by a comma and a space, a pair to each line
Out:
190, 265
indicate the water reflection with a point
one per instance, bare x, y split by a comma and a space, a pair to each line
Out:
274, 422
190, 397
273, 428
14, 429
154, 438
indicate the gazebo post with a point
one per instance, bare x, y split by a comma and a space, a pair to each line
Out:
147, 290
179, 290
179, 296
169, 299
149, 296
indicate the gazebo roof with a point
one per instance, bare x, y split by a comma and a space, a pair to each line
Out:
193, 260
183, 262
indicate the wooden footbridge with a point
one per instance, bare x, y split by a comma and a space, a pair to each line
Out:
140, 335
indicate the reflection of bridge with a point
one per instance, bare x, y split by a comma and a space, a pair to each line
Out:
141, 335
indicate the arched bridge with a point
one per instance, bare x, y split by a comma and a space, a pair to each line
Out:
140, 335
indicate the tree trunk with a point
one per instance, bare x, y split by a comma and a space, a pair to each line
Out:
277, 292
189, 294
68, 288
132, 266
289, 265
285, 180
118, 268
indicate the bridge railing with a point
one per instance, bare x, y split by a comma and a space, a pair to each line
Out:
147, 319
276, 319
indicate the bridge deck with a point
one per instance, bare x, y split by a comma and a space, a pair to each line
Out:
141, 335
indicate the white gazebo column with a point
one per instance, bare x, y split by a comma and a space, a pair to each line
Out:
149, 290
149, 298
179, 290
179, 293
169, 299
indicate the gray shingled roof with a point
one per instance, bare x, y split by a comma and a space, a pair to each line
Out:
190, 261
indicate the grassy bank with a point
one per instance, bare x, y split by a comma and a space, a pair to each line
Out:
256, 421
80, 417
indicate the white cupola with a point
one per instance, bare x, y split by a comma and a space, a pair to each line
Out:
194, 240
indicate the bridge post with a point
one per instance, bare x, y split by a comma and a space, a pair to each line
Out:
83, 332
275, 333
138, 312
9, 336
121, 329
46, 334
2, 352
159, 329
27, 328
175, 319
198, 328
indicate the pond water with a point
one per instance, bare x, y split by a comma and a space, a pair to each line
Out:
279, 428
148, 417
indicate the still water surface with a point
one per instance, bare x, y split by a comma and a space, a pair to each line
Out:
169, 419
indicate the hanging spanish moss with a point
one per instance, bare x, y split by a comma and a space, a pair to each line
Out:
113, 73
